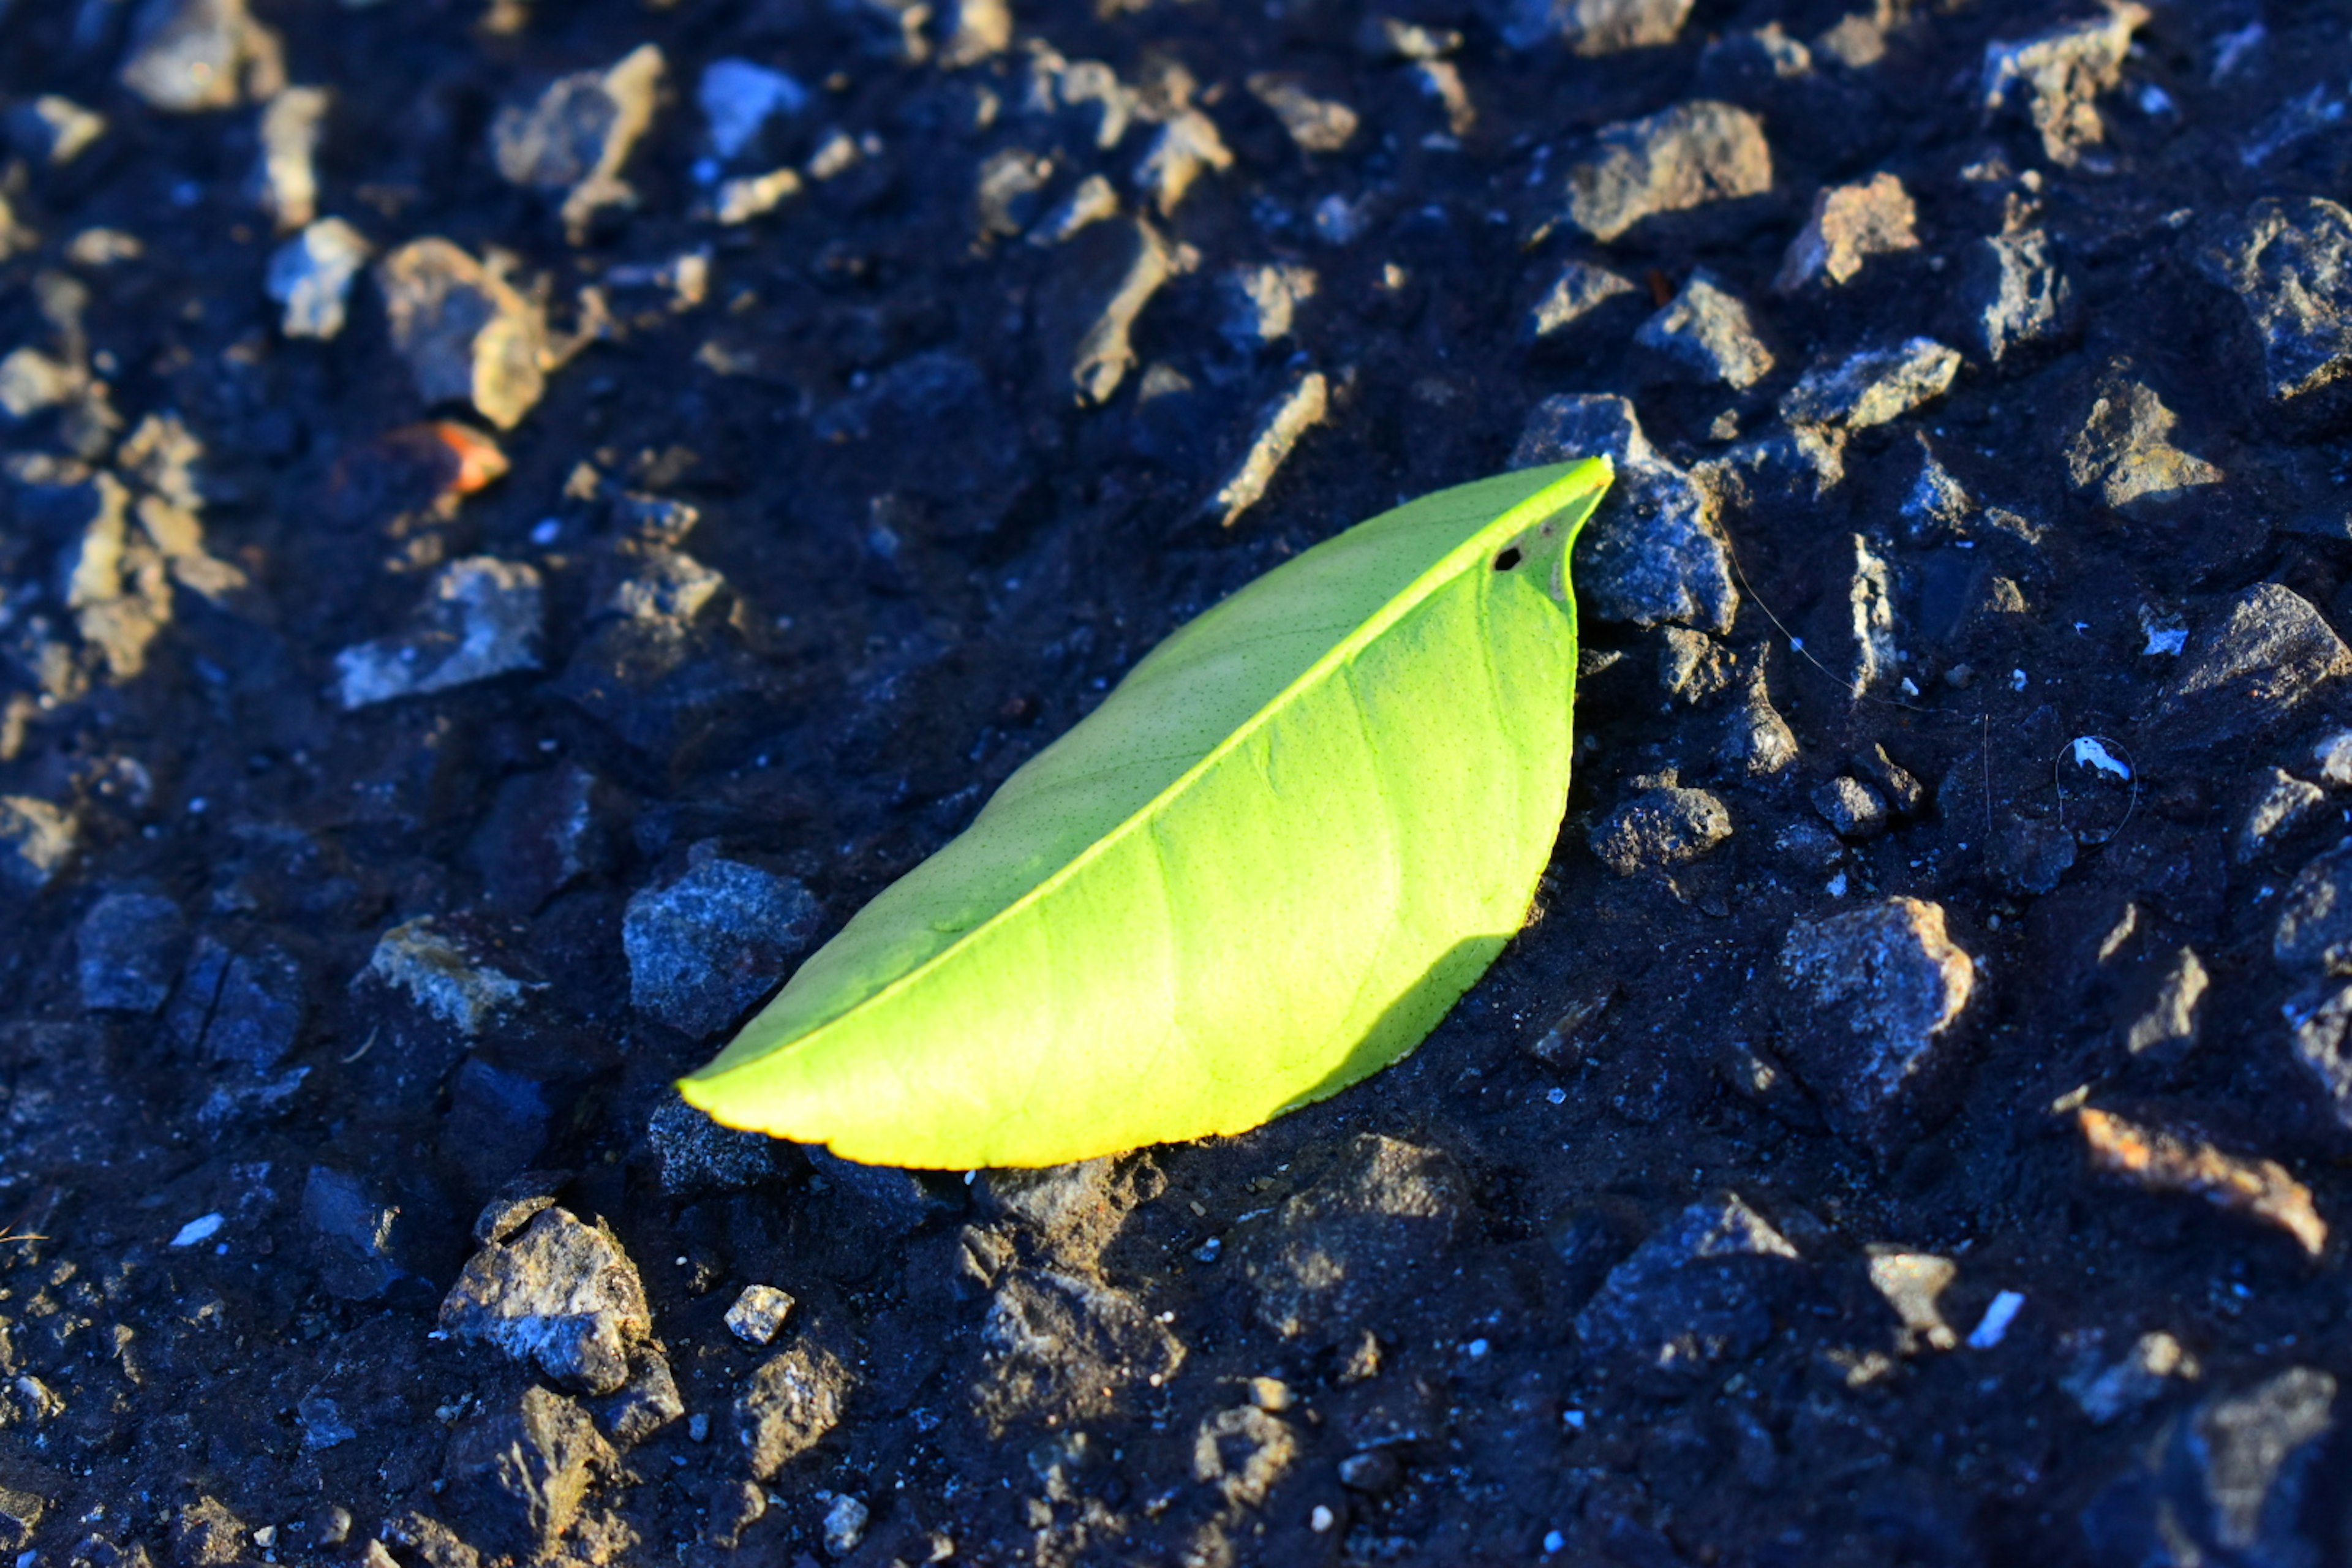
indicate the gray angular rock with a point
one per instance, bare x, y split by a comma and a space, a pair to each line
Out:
791, 1401
1592, 28
1315, 124
2248, 669
1878, 992
311, 275
1112, 271
238, 1009
1704, 1289
1579, 289
646, 1404
37, 841
2165, 1031
574, 137
1757, 741
187, 55
693, 1155
1060, 1347
517, 1476
1852, 808
129, 946
1658, 828
1070, 1212
1654, 552
546, 831
1872, 386
2055, 75
709, 944
366, 1248
2287, 263
2029, 856
481, 619
467, 335
2314, 926
1383, 1213
1679, 158
559, 1295
443, 977
1692, 666
1706, 331
1850, 223
2243, 1478
2011, 293
2278, 804
2122, 452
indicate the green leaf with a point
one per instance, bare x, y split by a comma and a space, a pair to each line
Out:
1265, 868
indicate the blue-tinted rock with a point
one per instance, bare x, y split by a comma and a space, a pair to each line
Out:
241, 1010
365, 1248
1703, 1290
2245, 1480
130, 948
709, 944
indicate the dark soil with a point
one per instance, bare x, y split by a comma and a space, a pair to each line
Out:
1610, 1270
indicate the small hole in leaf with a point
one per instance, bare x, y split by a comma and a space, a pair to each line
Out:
1507, 558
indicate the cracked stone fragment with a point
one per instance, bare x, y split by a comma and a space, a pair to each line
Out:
1852, 808
2122, 451
1114, 269
286, 178
467, 335
1702, 1291
1654, 552
575, 136
1660, 828
2158, 1161
1280, 425
739, 98
2280, 803
481, 618
1059, 1346
1680, 158
187, 55
311, 275
366, 1248
560, 1295
516, 1476
758, 1314
1880, 990
1871, 599
1850, 223
2057, 74
2321, 1038
1592, 28
2250, 668
1578, 291
1692, 666
1187, 147
1872, 386
2237, 1480
708, 945
2313, 929
441, 978
1705, 330
2290, 263
2011, 293
1243, 1453
129, 948
1316, 124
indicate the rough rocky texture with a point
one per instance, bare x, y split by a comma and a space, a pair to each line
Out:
708, 945
467, 335
1680, 158
1659, 828
559, 1294
481, 618
1384, 1212
1871, 387
787, 1407
2286, 263
1706, 331
1703, 1290
2122, 454
1849, 225
2249, 667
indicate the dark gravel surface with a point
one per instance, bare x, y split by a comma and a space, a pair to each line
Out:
516, 520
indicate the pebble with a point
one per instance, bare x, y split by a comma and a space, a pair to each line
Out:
285, 177
311, 275
577, 135
2321, 1038
740, 200
54, 128
845, 1525
2241, 1479
2165, 1031
1315, 124
1702, 1291
238, 1009
2248, 669
758, 1314
1757, 741
1706, 331
441, 978
1879, 992
1852, 808
1911, 1282
2122, 453
1590, 27
467, 335
2287, 263
1580, 288
37, 841
2031, 856
1186, 148
705, 947
647, 1402
481, 617
2276, 806
2107, 1390
1654, 552
188, 56
1999, 1314
559, 1295
130, 947
2314, 925
739, 98
2156, 1160
366, 1248
1872, 386
1692, 666
1658, 828
1114, 269
1280, 425
2012, 294
1678, 159
517, 1475
2056, 75
1850, 223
